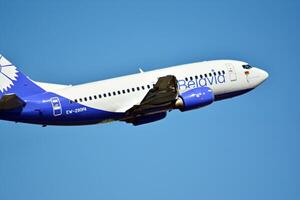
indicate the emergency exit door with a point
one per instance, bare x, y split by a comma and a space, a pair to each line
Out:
56, 106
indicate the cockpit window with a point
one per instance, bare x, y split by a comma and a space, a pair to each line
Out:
247, 67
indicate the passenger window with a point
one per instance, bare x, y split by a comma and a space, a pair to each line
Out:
114, 93
128, 90
119, 92
186, 79
148, 86
123, 91
138, 88
143, 87
191, 78
80, 100
99, 96
215, 74
219, 72
205, 75
91, 98
76, 100
104, 94
223, 71
196, 77
201, 76
210, 74
109, 94
133, 89
85, 99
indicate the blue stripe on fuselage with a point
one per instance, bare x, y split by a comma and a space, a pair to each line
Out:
40, 109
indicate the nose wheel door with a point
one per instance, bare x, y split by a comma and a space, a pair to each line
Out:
231, 72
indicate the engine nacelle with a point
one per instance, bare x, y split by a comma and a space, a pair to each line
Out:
195, 98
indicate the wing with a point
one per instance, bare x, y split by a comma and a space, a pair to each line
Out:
157, 101
10, 102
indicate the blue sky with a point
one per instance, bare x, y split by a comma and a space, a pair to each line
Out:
243, 148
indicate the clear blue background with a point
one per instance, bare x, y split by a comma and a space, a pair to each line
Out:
243, 148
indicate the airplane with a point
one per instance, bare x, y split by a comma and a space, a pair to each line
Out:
138, 99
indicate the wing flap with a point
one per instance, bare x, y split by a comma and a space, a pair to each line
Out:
159, 99
11, 102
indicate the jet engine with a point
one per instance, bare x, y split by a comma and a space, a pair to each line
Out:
195, 98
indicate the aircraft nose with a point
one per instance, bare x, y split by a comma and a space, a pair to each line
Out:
263, 74
257, 77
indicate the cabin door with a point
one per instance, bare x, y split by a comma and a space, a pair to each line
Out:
231, 72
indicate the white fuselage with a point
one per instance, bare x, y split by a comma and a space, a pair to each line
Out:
109, 95
138, 99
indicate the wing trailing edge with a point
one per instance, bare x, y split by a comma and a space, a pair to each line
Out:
160, 99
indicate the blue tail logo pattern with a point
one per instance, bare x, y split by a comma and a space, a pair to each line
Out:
13, 81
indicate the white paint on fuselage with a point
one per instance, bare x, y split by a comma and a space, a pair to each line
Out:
122, 102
